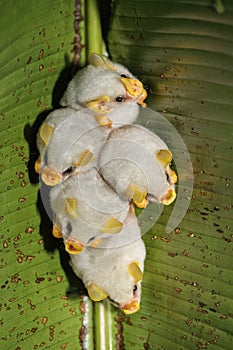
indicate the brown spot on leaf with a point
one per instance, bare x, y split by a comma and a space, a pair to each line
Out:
44, 320
29, 60
165, 239
41, 54
41, 67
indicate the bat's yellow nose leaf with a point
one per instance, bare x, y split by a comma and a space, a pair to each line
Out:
45, 133
112, 226
85, 158
50, 176
96, 293
133, 86
131, 308
135, 271
70, 206
74, 246
169, 197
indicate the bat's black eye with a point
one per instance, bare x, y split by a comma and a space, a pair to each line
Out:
123, 76
135, 287
69, 228
68, 171
119, 99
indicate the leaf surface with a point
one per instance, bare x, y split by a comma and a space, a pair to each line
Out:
182, 51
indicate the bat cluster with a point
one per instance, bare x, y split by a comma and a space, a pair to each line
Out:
100, 166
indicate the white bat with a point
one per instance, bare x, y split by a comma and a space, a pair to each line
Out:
92, 210
87, 210
136, 163
53, 120
109, 91
68, 141
113, 272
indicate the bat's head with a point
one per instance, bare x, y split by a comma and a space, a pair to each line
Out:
106, 89
115, 273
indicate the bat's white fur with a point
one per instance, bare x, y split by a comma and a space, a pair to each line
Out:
96, 204
129, 157
74, 132
92, 82
129, 233
54, 119
108, 269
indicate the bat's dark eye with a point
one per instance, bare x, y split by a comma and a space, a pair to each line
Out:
119, 99
123, 76
69, 228
135, 287
167, 176
68, 171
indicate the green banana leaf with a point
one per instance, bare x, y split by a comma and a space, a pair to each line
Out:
182, 51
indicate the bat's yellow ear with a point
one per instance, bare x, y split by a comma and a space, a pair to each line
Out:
56, 231
135, 271
45, 133
96, 293
38, 165
164, 157
70, 206
98, 62
85, 158
112, 226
